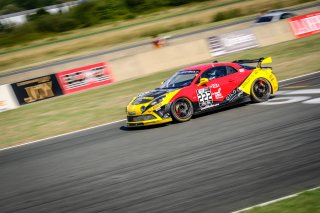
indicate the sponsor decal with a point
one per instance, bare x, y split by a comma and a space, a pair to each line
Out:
234, 95
213, 86
7, 98
84, 77
232, 42
305, 25
218, 94
36, 89
3, 105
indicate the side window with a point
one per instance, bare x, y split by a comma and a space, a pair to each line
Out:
215, 72
230, 70
286, 15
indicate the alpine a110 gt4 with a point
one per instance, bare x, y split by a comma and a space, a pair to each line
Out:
202, 88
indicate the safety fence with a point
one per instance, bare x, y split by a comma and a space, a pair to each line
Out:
78, 79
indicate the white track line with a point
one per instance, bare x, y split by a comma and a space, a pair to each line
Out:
56, 136
276, 200
288, 79
106, 124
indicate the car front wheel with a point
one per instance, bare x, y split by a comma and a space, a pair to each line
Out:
182, 110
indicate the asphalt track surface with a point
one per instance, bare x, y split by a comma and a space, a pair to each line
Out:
217, 162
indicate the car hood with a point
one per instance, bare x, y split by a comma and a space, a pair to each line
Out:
151, 95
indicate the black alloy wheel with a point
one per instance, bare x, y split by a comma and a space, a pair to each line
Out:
182, 110
260, 90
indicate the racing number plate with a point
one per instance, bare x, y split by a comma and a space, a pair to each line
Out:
205, 98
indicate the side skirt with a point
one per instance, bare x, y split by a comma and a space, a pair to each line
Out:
224, 104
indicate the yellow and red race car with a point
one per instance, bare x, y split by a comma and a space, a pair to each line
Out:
201, 88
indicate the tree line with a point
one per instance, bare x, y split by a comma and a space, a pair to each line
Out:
12, 6
88, 13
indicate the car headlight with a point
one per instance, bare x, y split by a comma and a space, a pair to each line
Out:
157, 100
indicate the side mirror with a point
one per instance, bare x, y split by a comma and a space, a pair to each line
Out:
267, 61
203, 81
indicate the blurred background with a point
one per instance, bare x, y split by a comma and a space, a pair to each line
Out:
69, 65
129, 46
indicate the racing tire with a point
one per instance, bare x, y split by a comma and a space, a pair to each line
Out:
181, 110
260, 90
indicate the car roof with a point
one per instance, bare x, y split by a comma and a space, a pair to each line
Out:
202, 67
276, 13
279, 11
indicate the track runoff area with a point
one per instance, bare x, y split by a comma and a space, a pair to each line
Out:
289, 90
61, 165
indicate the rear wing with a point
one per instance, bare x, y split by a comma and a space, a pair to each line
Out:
259, 61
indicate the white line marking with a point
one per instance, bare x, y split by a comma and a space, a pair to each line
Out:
288, 79
56, 136
68, 133
312, 101
285, 100
303, 92
276, 200
281, 92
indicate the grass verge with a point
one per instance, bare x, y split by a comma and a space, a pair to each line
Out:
104, 104
303, 203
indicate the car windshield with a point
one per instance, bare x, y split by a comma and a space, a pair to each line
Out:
180, 79
264, 19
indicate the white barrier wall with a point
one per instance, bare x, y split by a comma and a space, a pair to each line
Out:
8, 99
273, 33
161, 59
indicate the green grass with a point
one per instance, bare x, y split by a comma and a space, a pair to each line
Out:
307, 202
107, 103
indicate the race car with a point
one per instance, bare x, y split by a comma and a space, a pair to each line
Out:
201, 88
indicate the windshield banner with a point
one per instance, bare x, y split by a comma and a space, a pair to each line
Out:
84, 77
232, 42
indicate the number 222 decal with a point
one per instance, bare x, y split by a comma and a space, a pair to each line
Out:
205, 98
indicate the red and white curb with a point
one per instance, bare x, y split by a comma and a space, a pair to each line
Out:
276, 200
106, 124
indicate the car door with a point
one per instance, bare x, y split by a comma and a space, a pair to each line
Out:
222, 81
286, 15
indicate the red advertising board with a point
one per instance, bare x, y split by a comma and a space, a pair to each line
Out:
305, 25
84, 77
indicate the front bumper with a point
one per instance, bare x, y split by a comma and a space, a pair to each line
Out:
149, 122
151, 117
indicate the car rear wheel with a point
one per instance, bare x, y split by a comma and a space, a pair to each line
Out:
260, 90
182, 110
